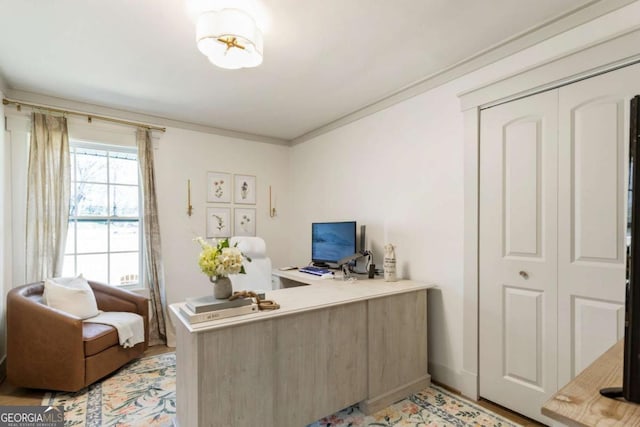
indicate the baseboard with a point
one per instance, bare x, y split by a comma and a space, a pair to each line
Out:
370, 406
469, 385
446, 376
468, 382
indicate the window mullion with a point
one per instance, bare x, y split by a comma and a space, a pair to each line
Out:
109, 214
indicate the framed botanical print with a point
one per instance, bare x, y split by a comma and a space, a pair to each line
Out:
245, 189
244, 221
218, 187
218, 222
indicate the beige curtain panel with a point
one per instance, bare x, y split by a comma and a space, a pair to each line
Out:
48, 193
152, 253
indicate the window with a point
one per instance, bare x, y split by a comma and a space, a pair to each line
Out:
104, 238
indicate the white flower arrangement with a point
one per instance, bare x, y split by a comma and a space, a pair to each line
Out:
220, 260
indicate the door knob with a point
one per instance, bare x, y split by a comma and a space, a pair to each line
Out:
524, 274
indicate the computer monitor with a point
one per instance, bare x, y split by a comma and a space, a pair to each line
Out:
332, 241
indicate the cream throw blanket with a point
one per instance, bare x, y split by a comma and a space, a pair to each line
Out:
130, 326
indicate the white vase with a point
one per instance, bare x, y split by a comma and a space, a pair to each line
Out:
389, 263
222, 288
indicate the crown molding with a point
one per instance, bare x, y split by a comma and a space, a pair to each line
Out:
597, 58
62, 103
510, 46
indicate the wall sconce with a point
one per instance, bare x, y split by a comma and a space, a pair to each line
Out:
189, 207
272, 208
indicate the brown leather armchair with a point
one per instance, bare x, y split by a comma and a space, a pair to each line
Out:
50, 349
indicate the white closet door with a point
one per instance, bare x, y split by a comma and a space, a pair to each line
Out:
518, 253
593, 163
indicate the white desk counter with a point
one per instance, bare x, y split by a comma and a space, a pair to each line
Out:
289, 278
330, 345
323, 293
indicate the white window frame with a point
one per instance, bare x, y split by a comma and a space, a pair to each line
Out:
73, 220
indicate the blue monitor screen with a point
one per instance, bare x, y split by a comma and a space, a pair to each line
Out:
332, 241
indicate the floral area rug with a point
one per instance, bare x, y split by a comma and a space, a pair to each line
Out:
142, 393
432, 407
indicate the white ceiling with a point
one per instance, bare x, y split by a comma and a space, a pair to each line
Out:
323, 59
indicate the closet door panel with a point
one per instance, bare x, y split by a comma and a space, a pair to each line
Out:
521, 183
523, 329
592, 183
518, 253
597, 324
596, 171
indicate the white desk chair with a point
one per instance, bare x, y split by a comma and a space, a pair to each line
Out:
258, 275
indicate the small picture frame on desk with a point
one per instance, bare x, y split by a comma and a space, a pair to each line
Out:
244, 221
218, 222
244, 189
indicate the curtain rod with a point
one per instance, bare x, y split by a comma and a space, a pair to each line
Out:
89, 117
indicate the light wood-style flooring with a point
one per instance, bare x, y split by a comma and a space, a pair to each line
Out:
10, 395
508, 414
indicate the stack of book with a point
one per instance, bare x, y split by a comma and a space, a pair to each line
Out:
203, 309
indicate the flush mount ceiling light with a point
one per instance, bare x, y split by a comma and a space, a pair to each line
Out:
230, 38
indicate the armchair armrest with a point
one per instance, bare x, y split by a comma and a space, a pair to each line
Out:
44, 337
111, 298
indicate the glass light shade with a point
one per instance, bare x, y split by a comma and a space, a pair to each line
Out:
229, 24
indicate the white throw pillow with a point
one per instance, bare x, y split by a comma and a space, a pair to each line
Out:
74, 297
60, 281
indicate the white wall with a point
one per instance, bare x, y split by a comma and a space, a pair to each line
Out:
400, 172
179, 155
183, 155
5, 243
13, 209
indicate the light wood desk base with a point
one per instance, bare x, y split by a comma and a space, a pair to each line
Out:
330, 345
579, 403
